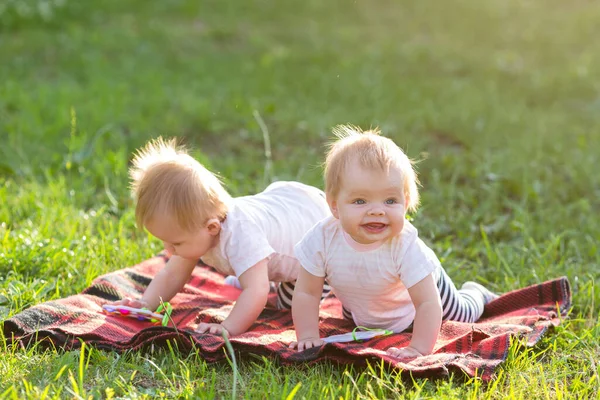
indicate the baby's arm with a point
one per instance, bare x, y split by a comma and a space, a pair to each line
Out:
249, 305
428, 319
305, 310
166, 284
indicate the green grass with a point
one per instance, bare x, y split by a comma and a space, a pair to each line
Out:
499, 100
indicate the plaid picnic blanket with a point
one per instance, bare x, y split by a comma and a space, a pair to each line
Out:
474, 348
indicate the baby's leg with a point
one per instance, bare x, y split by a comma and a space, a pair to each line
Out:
326, 291
346, 313
464, 305
285, 293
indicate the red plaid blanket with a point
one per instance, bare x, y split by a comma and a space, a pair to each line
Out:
475, 349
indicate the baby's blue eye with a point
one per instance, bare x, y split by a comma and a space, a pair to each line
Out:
359, 201
390, 201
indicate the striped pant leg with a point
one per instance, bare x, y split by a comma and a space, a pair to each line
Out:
346, 314
285, 294
459, 305
326, 291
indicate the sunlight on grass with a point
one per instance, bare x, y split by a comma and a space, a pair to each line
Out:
497, 100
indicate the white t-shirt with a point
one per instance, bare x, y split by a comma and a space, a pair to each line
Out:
370, 282
267, 225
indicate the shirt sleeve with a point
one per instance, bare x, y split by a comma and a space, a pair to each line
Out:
310, 251
418, 262
246, 246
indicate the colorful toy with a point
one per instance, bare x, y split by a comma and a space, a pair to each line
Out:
356, 336
141, 314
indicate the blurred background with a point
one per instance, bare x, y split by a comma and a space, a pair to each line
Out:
499, 101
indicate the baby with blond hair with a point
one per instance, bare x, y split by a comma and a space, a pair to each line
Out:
184, 205
371, 255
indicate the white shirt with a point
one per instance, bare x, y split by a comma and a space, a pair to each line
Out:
267, 225
370, 282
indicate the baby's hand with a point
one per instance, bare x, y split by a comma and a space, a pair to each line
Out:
217, 329
305, 344
405, 352
135, 303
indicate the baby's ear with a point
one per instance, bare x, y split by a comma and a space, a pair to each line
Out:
214, 226
332, 206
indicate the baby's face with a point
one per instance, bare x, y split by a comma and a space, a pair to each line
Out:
182, 243
371, 204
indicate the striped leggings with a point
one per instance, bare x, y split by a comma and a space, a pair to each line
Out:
464, 305
285, 292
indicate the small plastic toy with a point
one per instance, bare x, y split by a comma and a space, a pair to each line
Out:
356, 336
141, 314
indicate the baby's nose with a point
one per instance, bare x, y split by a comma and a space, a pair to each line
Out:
376, 211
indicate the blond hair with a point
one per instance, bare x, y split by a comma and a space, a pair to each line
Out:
372, 151
166, 179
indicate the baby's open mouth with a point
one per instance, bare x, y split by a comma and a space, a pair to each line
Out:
375, 226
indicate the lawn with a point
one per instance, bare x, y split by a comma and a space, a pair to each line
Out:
498, 100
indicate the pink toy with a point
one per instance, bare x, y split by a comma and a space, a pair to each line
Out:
142, 314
